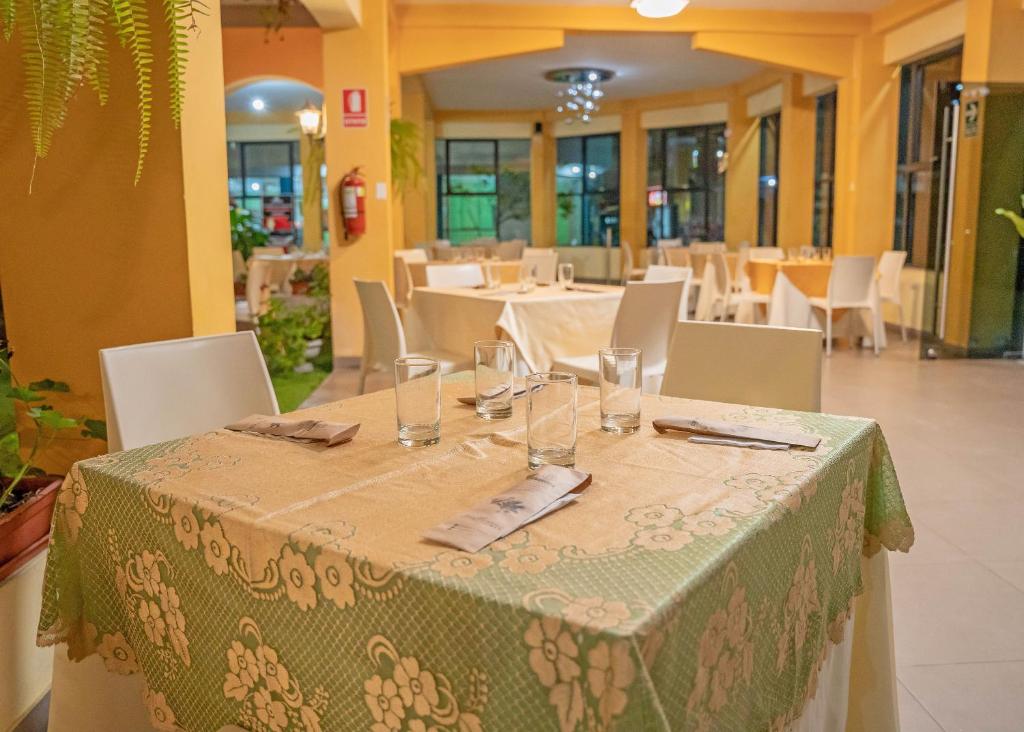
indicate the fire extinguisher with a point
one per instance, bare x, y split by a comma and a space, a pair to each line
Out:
353, 203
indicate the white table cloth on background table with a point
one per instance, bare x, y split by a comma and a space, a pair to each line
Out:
545, 324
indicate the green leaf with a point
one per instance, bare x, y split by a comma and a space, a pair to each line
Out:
52, 418
22, 394
50, 385
95, 429
10, 455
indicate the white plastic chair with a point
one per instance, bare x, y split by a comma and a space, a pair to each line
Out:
676, 257
546, 262
664, 273
707, 247
159, 391
384, 338
511, 250
645, 319
403, 277
711, 361
851, 286
454, 275
890, 267
629, 269
725, 294
664, 245
768, 253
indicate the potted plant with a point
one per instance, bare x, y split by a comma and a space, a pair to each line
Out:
28, 494
301, 281
246, 232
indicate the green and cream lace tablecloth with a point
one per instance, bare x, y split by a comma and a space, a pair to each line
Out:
280, 586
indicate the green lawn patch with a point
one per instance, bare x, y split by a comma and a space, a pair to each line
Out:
293, 389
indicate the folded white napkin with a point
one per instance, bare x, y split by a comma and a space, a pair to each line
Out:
299, 430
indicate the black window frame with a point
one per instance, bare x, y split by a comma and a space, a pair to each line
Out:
587, 237
713, 181
824, 169
763, 238
444, 187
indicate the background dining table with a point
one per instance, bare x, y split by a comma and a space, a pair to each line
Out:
285, 586
507, 270
545, 324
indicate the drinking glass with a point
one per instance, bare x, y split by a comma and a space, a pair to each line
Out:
492, 278
495, 361
527, 277
551, 419
418, 401
565, 274
621, 377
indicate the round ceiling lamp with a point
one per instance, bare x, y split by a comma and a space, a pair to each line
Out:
580, 98
659, 8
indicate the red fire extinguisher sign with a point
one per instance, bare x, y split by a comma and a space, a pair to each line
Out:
353, 103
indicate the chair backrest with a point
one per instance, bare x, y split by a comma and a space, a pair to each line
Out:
676, 257
711, 361
625, 262
741, 275
511, 250
669, 243
383, 337
412, 255
664, 273
455, 275
723, 277
272, 251
767, 253
851, 279
890, 265
647, 314
160, 391
403, 277
545, 260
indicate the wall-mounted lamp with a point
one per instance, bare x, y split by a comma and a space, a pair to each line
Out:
310, 118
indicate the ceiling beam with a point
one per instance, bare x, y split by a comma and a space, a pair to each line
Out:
824, 55
901, 12
336, 14
421, 49
575, 18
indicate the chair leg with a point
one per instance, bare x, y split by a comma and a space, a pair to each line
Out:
362, 380
876, 327
828, 331
903, 326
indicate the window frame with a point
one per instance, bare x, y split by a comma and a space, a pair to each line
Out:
584, 195
708, 133
762, 239
826, 104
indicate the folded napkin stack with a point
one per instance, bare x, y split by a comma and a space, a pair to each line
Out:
299, 430
714, 432
544, 491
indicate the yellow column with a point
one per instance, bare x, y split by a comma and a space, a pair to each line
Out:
633, 183
358, 58
743, 146
92, 261
419, 199
796, 165
543, 157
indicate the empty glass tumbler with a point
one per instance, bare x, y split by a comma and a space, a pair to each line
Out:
621, 379
495, 366
418, 401
551, 419
527, 277
565, 274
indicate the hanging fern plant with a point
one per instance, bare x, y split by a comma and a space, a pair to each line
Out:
64, 44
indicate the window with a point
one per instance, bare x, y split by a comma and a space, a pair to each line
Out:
266, 179
924, 93
587, 185
685, 190
483, 189
768, 181
824, 169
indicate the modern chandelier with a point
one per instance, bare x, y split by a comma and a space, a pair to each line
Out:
580, 99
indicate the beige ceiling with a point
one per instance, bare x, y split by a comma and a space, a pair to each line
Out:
645, 64
845, 6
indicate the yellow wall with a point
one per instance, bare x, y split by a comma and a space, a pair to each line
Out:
368, 256
92, 261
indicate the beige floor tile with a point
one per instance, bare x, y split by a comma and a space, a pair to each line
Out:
1012, 572
914, 717
970, 697
985, 530
929, 548
955, 612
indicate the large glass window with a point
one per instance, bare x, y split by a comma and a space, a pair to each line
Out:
768, 181
824, 169
587, 185
266, 179
483, 189
918, 168
685, 190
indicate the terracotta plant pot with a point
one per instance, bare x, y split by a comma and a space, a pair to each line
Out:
239, 289
300, 288
24, 532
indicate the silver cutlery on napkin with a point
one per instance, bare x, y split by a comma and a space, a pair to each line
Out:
715, 432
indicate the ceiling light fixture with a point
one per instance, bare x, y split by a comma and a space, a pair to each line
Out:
258, 104
580, 99
659, 8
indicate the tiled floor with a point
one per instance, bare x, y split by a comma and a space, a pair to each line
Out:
956, 430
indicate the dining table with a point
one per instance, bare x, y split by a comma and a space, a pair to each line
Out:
507, 271
255, 583
791, 283
545, 323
